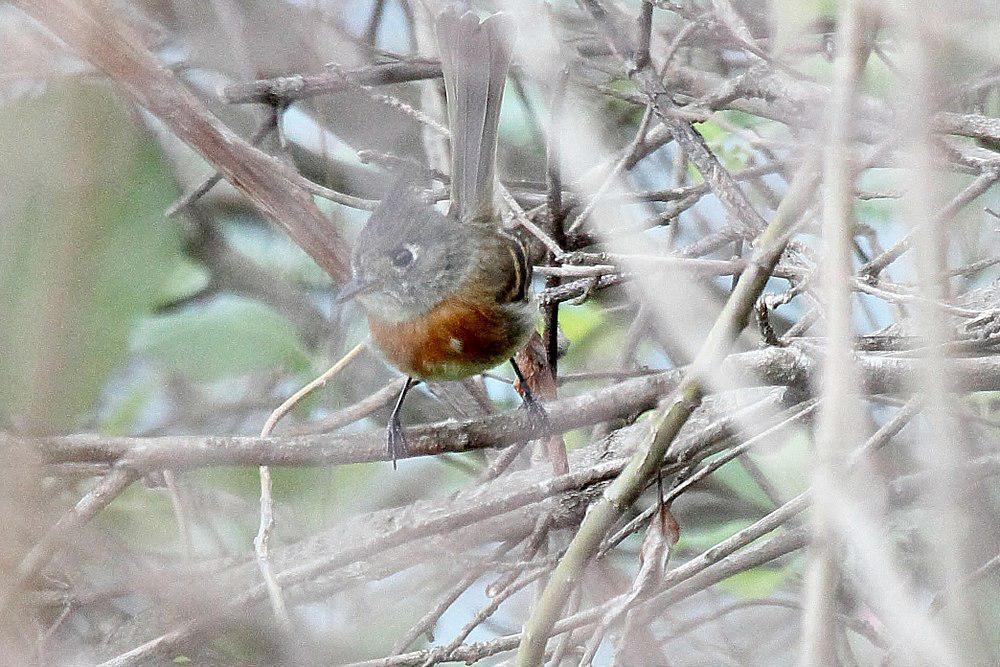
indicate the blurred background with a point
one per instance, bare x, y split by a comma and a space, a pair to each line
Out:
123, 314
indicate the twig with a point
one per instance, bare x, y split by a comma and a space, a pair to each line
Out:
363, 408
338, 197
399, 534
800, 411
644, 28
288, 89
984, 570
434, 614
265, 129
788, 366
119, 478
428, 620
981, 184
523, 220
554, 204
612, 175
370, 35
654, 554
486, 612
262, 543
566, 640
394, 102
735, 203
860, 626
262, 546
538, 535
724, 569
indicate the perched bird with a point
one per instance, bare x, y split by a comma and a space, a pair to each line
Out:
448, 296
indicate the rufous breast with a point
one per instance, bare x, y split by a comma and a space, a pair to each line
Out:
455, 339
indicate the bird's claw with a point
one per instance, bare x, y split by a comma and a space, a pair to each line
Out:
539, 418
396, 441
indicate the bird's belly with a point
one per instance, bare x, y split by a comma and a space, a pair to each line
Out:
455, 339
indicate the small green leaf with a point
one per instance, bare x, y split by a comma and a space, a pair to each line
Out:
229, 336
758, 582
735, 476
577, 323
731, 149
185, 279
712, 133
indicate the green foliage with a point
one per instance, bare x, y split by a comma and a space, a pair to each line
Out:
731, 150
736, 478
184, 281
227, 337
85, 250
762, 582
595, 338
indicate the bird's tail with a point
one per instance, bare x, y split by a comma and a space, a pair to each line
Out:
475, 57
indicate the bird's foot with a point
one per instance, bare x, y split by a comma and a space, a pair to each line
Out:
538, 417
396, 440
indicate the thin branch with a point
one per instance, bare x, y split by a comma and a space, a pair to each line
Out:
789, 366
981, 184
262, 543
800, 411
287, 89
201, 190
737, 206
112, 485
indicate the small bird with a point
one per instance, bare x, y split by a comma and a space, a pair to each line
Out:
448, 296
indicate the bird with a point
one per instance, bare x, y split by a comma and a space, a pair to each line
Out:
448, 294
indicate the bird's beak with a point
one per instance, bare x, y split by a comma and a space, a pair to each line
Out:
352, 288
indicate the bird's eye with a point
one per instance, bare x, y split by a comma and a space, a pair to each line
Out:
401, 257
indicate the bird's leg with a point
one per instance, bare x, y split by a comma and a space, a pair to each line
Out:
395, 437
528, 400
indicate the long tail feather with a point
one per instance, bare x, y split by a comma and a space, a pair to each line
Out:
475, 57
